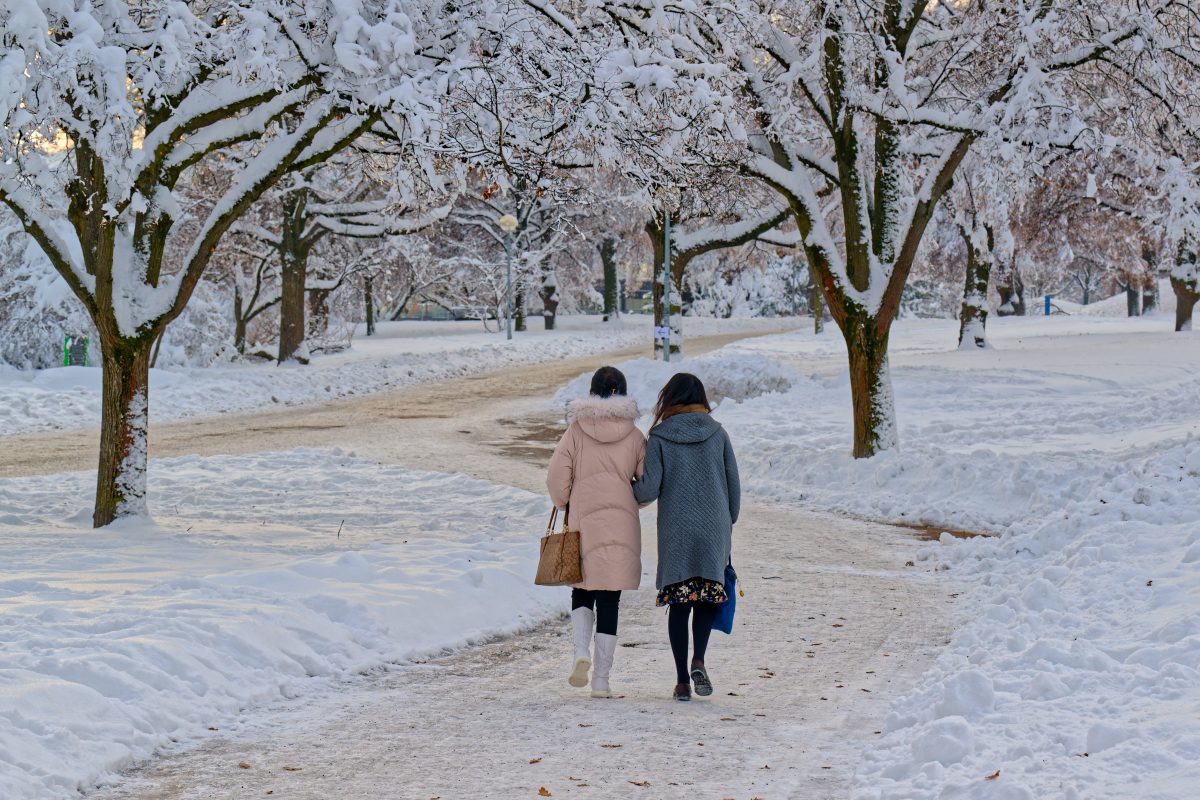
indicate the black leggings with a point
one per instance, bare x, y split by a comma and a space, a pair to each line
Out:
677, 630
606, 603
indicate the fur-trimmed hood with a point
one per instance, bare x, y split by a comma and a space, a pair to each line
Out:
605, 419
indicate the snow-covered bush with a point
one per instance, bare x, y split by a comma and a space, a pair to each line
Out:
729, 377
36, 306
768, 287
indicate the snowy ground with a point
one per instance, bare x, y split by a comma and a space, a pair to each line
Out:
263, 577
1078, 439
1075, 672
401, 354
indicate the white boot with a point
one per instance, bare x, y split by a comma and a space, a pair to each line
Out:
582, 622
606, 647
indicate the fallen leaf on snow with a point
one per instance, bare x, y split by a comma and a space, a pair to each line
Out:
534, 760
211, 728
292, 769
243, 765
544, 792
640, 783
728, 719
993, 776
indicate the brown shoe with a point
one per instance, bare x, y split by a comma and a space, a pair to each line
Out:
683, 692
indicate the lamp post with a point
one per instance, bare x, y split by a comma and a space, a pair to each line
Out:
666, 292
508, 224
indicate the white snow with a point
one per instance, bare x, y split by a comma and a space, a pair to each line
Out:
1076, 442
401, 354
726, 377
1076, 672
261, 577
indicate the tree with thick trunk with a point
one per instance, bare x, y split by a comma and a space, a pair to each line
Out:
101, 199
300, 218
695, 236
1011, 289
859, 115
1185, 281
608, 261
972, 319
296, 243
549, 299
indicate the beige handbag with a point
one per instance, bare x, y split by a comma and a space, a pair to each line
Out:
560, 560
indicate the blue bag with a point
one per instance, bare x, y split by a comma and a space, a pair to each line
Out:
724, 620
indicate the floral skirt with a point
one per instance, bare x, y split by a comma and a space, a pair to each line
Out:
693, 590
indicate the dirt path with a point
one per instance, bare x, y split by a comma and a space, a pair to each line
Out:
832, 626
384, 426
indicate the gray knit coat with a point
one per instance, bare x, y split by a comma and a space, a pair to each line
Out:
691, 472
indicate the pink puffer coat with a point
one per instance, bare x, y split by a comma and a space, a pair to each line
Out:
601, 452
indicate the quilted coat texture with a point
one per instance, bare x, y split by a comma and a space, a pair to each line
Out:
592, 468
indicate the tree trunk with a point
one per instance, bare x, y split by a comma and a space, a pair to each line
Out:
369, 297
816, 303
124, 423
239, 322
1150, 296
549, 301
519, 310
292, 315
1133, 296
1012, 293
1187, 293
318, 312
870, 386
608, 253
293, 257
972, 328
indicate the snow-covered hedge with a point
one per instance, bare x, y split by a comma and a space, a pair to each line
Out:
726, 378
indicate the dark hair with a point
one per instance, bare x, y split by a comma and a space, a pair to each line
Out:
608, 381
684, 389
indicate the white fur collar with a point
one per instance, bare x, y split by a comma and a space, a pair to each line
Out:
593, 407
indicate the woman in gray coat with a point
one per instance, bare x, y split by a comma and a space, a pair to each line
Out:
691, 471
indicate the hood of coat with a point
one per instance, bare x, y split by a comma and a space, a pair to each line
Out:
605, 419
687, 428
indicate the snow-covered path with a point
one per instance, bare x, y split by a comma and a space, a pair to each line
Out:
384, 426
832, 626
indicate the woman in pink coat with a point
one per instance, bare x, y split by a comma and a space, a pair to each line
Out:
591, 471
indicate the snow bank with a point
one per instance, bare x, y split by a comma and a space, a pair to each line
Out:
1076, 672
725, 377
263, 577
1078, 675
402, 354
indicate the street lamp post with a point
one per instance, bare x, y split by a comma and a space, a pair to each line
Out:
508, 224
666, 292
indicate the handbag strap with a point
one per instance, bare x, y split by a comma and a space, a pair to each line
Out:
554, 519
